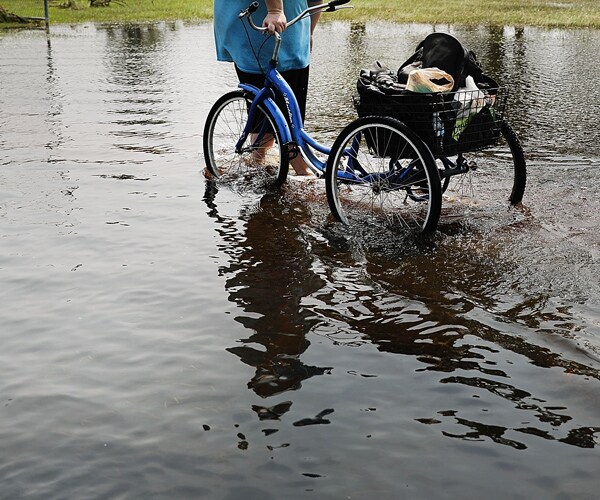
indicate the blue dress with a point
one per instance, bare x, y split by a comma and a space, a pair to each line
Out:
252, 52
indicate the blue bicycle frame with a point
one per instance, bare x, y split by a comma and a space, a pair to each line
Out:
292, 130
293, 136
293, 133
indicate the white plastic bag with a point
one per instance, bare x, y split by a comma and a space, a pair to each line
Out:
471, 100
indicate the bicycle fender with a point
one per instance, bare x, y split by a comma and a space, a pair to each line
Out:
264, 95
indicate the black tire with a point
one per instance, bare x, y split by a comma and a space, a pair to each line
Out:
223, 128
497, 176
396, 180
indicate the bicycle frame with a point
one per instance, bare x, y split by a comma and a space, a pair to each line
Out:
292, 130
295, 139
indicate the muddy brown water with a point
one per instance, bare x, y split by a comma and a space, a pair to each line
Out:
164, 337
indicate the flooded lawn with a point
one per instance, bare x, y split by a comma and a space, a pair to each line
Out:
166, 337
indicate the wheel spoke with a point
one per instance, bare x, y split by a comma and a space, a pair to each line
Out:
495, 179
261, 160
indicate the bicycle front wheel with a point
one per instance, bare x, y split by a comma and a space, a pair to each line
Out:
379, 172
261, 158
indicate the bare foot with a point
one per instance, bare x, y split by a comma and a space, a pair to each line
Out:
258, 156
300, 166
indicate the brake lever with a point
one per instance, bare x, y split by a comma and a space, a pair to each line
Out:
333, 8
333, 5
251, 9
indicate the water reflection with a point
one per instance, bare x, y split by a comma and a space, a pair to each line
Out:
138, 87
294, 274
451, 314
55, 97
269, 274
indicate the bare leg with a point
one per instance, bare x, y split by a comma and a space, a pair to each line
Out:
259, 154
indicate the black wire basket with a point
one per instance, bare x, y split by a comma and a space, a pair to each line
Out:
449, 123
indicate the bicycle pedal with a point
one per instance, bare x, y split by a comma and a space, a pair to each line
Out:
292, 150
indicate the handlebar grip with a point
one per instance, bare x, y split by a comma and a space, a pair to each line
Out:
334, 3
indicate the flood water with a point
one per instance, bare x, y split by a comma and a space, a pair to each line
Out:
163, 337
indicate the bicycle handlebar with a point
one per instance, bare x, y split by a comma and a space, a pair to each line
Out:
331, 6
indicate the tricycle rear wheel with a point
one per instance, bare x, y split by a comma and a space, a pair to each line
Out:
494, 177
381, 173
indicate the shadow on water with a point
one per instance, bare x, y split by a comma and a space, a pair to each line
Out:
447, 303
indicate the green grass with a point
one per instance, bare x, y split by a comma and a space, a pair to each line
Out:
559, 13
565, 13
